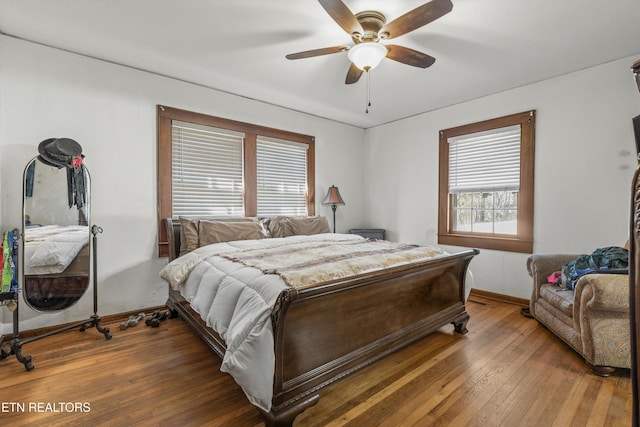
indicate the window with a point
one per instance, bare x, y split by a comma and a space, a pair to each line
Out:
486, 184
209, 166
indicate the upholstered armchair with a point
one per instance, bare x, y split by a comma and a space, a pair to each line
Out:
593, 319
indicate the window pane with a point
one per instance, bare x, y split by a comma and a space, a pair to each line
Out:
490, 213
506, 221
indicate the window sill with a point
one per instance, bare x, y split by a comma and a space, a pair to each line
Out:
488, 242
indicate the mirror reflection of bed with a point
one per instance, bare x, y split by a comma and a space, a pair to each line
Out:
56, 235
56, 265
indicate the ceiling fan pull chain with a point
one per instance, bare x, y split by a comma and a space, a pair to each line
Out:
368, 92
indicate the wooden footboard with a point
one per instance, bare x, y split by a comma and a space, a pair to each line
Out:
327, 332
324, 334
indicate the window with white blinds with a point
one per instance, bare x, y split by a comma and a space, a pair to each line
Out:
485, 161
208, 166
281, 177
207, 171
485, 189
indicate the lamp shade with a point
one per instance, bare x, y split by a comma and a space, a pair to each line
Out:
333, 197
367, 55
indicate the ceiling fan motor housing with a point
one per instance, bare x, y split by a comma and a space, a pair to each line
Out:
371, 22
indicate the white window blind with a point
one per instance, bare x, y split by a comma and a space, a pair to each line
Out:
282, 177
207, 171
485, 161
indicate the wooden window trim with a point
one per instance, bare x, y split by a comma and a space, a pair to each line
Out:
165, 116
523, 241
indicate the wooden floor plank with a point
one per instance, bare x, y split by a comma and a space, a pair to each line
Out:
507, 370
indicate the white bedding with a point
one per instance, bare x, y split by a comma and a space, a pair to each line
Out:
237, 300
50, 249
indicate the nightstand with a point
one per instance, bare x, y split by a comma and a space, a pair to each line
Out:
370, 233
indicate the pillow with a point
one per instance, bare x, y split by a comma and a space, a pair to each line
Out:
309, 225
188, 235
212, 231
273, 225
284, 226
189, 230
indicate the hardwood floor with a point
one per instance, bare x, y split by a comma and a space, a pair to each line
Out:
507, 371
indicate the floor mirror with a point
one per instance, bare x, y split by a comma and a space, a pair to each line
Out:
58, 250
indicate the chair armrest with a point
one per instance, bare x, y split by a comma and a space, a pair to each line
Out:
601, 318
602, 292
541, 266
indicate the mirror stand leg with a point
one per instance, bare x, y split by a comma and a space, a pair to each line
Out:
102, 329
16, 348
95, 321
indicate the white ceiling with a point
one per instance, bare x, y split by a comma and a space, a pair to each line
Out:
239, 46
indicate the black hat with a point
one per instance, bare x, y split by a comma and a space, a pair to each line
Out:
60, 152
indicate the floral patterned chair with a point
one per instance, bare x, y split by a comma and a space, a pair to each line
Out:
593, 318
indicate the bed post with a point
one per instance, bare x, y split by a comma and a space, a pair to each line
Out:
284, 417
282, 413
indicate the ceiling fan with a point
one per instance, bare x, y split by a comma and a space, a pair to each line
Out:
368, 28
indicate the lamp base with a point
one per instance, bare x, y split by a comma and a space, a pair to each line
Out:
333, 208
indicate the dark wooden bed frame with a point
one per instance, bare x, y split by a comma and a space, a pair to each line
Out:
327, 332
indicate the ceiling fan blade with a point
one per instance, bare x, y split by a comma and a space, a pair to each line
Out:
418, 17
317, 52
409, 56
353, 75
342, 15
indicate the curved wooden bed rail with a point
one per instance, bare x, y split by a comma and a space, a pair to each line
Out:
327, 332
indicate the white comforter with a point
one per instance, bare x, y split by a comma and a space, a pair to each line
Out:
50, 249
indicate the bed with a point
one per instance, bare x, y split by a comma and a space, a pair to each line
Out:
319, 332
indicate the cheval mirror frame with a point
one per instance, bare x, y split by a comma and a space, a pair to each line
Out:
56, 202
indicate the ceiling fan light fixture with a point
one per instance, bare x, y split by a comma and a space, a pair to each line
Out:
367, 55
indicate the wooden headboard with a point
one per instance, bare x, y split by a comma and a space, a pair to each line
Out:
173, 236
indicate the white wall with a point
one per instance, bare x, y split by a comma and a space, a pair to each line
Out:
111, 111
585, 159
